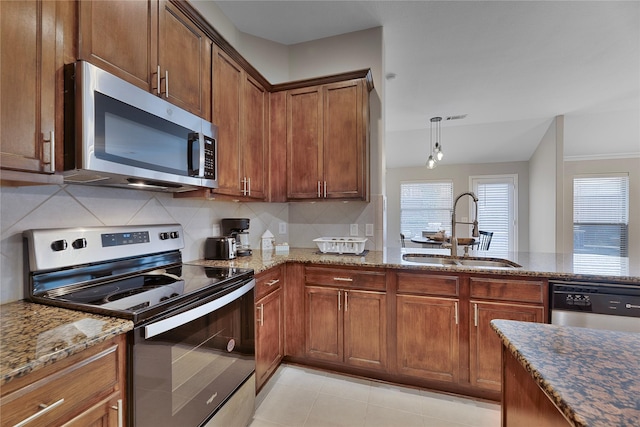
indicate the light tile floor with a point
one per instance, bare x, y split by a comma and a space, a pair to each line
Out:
302, 397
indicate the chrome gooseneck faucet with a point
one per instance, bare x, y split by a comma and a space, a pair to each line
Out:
454, 240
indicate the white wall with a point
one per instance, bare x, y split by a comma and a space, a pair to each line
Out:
542, 192
459, 174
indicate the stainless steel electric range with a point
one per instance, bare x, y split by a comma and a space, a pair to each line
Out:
192, 345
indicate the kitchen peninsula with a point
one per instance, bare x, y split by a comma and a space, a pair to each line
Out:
558, 375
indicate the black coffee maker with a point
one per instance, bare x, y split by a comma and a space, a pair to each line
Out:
239, 229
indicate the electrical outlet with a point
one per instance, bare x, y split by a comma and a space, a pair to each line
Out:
368, 230
282, 228
215, 229
353, 230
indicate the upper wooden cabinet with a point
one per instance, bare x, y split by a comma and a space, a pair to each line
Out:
327, 135
152, 45
240, 106
30, 54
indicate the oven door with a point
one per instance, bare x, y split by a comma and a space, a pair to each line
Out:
186, 365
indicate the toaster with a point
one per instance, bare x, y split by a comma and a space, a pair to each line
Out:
220, 248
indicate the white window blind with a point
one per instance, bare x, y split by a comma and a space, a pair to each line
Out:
497, 201
601, 215
424, 203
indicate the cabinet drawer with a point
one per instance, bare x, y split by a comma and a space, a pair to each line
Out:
68, 390
428, 284
508, 289
268, 281
346, 278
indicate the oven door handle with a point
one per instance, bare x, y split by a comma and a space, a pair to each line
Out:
173, 322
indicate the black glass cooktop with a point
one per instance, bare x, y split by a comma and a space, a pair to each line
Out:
151, 291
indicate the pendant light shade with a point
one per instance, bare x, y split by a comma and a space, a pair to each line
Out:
436, 153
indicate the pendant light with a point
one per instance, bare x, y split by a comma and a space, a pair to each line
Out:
436, 153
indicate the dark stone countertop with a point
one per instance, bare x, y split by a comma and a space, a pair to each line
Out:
543, 265
33, 335
592, 376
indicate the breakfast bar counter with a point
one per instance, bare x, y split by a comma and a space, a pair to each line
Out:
591, 377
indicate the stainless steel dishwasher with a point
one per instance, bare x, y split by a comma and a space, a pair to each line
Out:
596, 305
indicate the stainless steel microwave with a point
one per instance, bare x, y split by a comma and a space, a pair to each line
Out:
119, 135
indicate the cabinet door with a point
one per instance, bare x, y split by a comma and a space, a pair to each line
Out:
343, 140
184, 55
27, 110
254, 142
485, 346
120, 37
102, 414
365, 329
227, 95
324, 320
304, 144
428, 337
269, 336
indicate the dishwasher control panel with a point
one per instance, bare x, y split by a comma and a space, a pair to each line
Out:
597, 298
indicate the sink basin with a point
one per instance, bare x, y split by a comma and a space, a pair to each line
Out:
429, 259
487, 263
440, 260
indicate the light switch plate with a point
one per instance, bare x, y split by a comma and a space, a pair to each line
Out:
282, 228
353, 230
368, 230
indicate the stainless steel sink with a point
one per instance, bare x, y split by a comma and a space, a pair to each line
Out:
487, 263
429, 259
439, 260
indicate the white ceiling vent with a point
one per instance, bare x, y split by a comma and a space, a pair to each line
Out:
459, 117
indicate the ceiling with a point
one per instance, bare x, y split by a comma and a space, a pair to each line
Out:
510, 66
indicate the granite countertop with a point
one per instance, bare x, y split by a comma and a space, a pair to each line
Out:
545, 265
36, 335
592, 376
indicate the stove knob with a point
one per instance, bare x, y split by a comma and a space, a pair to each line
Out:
79, 243
59, 245
164, 236
174, 235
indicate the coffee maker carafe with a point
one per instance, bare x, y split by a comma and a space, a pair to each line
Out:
239, 229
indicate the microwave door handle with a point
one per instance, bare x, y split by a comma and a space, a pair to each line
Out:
195, 137
172, 322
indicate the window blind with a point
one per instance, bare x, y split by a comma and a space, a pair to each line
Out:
601, 215
494, 208
422, 203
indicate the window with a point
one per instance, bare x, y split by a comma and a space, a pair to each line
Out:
601, 215
425, 203
497, 211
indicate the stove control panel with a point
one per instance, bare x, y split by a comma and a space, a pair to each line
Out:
58, 248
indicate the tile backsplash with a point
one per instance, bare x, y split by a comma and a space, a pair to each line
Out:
55, 206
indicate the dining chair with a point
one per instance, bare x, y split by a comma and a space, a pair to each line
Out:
485, 240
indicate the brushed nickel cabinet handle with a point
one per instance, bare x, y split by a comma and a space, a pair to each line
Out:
44, 408
339, 295
249, 186
456, 311
272, 282
261, 318
244, 185
118, 408
52, 152
319, 189
325, 189
157, 86
475, 315
166, 84
346, 301
343, 279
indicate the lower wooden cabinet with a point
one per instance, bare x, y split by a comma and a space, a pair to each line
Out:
484, 345
269, 323
428, 339
346, 316
346, 326
86, 389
